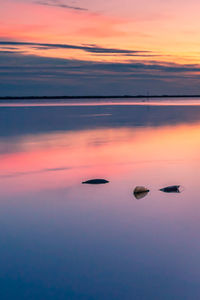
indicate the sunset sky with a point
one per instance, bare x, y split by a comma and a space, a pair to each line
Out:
107, 47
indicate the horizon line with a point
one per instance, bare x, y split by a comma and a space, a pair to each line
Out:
97, 97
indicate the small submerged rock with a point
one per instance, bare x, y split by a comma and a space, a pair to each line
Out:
171, 189
95, 181
140, 192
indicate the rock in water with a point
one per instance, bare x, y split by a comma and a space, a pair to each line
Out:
171, 189
95, 181
140, 192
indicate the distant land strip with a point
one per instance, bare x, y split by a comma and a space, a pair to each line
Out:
95, 97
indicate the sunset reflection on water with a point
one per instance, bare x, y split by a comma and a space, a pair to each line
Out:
66, 158
83, 240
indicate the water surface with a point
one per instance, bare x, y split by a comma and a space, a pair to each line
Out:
64, 240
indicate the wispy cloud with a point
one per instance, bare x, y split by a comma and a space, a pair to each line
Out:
22, 74
18, 61
87, 48
31, 65
59, 3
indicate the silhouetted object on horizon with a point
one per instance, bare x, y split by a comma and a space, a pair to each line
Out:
171, 189
95, 181
140, 192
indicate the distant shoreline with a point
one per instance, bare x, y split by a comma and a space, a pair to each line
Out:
95, 97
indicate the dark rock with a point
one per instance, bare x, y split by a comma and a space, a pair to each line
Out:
140, 192
171, 189
95, 181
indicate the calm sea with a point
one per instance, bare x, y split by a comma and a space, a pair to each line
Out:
64, 240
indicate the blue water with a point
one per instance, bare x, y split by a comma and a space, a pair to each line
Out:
64, 240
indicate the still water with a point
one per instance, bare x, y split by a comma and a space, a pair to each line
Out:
64, 240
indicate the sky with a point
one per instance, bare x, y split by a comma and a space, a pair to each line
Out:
107, 47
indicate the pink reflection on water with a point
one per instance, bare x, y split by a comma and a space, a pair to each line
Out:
125, 156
